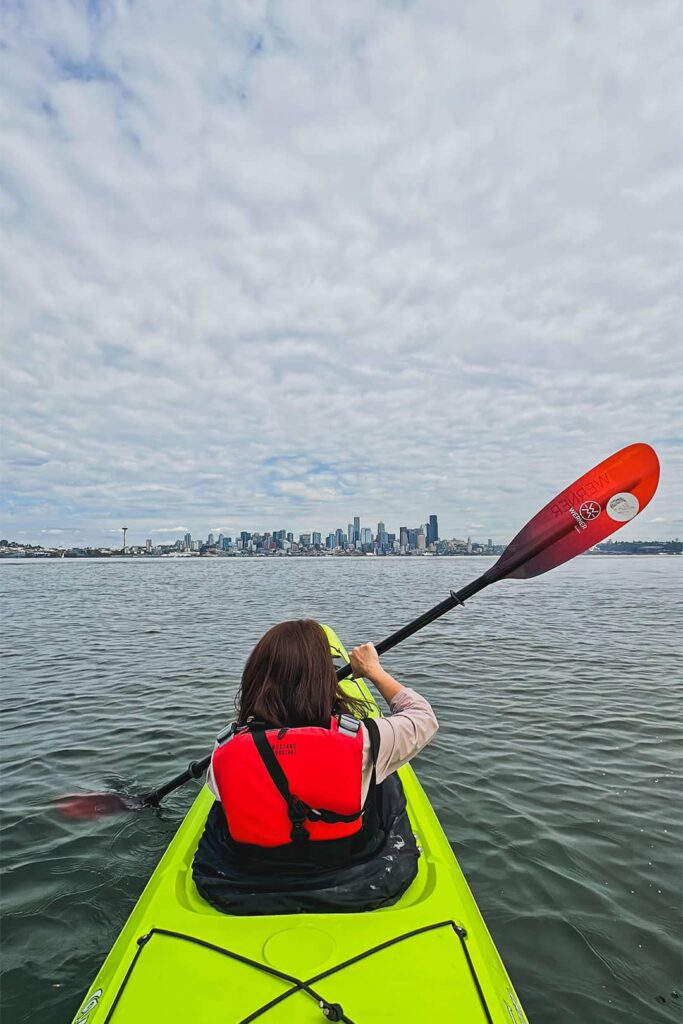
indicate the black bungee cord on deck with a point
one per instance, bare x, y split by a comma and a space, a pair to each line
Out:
331, 1011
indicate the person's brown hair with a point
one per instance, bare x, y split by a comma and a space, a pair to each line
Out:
290, 680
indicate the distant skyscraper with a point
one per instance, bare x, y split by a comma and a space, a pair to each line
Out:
350, 533
210, 540
403, 536
317, 539
148, 544
432, 530
356, 529
188, 541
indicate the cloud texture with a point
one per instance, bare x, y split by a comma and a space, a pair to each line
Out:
271, 265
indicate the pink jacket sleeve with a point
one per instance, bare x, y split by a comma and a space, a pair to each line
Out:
410, 727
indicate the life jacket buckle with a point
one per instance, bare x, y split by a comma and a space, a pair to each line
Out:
348, 725
298, 811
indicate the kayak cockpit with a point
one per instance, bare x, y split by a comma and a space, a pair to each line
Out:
235, 884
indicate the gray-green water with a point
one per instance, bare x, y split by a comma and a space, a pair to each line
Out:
556, 772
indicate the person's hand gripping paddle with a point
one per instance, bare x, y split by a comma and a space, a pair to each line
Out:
582, 515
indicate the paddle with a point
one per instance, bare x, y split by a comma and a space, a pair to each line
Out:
582, 515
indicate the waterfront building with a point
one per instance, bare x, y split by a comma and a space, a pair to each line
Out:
331, 541
188, 542
366, 536
432, 531
148, 544
420, 540
210, 541
305, 540
356, 529
317, 539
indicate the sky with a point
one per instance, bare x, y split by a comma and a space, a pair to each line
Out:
270, 265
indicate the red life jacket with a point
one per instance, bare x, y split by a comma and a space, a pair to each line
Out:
284, 786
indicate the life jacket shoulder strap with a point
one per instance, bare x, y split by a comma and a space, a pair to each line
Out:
226, 734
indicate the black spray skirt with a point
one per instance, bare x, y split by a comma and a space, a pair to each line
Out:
229, 883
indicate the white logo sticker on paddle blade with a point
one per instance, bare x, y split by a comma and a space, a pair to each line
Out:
589, 510
623, 506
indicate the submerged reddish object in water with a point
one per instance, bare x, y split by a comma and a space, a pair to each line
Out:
88, 806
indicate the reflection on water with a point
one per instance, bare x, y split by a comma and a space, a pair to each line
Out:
556, 771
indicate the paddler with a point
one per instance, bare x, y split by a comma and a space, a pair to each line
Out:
297, 777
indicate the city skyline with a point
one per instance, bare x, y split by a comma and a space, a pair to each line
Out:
355, 537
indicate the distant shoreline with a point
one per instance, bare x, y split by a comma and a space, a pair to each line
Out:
244, 556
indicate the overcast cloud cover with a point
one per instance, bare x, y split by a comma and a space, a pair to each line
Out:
271, 265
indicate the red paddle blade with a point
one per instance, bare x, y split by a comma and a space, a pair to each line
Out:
586, 512
89, 806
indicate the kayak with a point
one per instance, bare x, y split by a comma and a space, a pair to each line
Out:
427, 958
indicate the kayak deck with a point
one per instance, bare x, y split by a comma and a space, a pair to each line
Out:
429, 957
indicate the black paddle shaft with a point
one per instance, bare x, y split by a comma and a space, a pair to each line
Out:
197, 768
